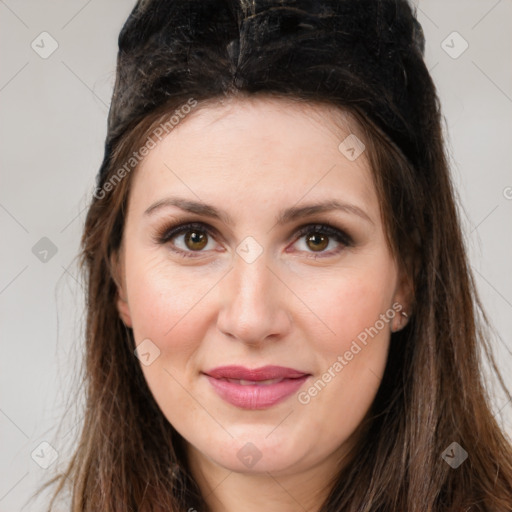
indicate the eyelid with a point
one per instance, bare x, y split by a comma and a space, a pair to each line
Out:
325, 228
171, 230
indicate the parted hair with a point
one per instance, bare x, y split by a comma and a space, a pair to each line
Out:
364, 57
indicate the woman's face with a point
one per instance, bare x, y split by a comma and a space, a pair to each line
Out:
259, 280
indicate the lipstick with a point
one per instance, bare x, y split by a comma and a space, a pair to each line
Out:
258, 388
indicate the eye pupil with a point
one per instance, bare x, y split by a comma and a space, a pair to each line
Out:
195, 240
320, 242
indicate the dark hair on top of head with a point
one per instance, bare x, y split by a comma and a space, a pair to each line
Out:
362, 52
363, 57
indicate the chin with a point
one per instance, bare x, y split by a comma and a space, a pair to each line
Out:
257, 452
270, 462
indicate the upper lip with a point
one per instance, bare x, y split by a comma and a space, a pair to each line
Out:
255, 374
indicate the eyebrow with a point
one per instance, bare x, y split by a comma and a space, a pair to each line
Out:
285, 216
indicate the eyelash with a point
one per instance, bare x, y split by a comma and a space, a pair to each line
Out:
167, 233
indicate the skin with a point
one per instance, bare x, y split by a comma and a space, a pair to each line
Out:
297, 305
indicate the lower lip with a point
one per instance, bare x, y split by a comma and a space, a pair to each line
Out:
254, 396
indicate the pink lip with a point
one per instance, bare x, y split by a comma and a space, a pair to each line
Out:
255, 396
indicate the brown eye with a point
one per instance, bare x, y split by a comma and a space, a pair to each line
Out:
196, 240
189, 239
317, 241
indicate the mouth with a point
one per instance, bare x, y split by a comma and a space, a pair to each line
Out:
243, 382
258, 388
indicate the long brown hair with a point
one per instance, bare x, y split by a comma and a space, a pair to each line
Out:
432, 394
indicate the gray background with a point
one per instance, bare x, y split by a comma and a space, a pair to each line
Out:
53, 124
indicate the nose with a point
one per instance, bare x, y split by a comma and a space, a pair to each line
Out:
254, 303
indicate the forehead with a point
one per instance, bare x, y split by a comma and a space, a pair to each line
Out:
242, 113
274, 148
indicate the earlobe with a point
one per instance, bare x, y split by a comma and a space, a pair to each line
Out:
124, 310
403, 297
121, 302
400, 321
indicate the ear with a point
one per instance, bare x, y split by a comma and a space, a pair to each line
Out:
117, 267
404, 299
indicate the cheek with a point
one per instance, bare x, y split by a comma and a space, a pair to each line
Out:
348, 302
169, 307
161, 296
351, 344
